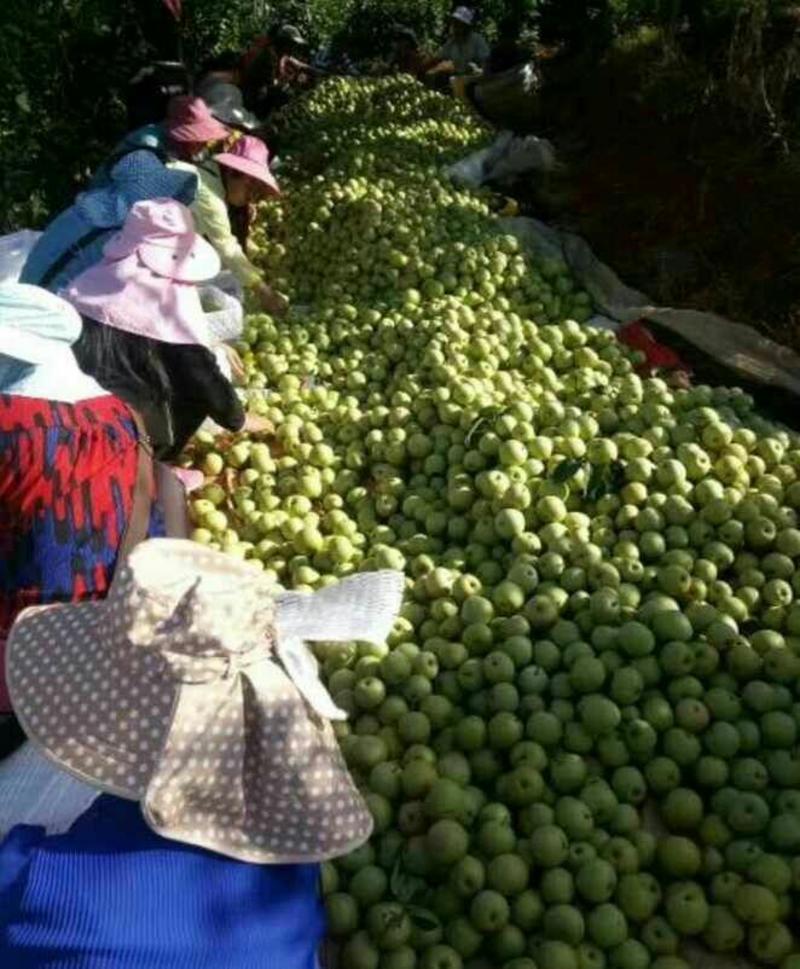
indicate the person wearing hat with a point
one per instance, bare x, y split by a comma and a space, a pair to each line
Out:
465, 51
279, 41
406, 57
233, 181
150, 90
146, 337
291, 49
69, 465
220, 86
276, 63
188, 132
74, 240
190, 701
333, 58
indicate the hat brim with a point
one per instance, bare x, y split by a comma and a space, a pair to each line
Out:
44, 326
180, 258
238, 118
31, 348
210, 130
259, 172
108, 205
196, 262
70, 679
103, 207
461, 20
80, 740
60, 379
294, 37
128, 295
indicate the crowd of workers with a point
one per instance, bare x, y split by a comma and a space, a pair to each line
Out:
242, 88
113, 352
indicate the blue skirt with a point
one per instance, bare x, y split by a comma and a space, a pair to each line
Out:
111, 894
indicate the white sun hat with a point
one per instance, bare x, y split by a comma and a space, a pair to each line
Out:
37, 331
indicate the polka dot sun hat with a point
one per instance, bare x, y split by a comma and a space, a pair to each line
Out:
191, 689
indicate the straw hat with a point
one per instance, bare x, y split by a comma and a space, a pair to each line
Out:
191, 689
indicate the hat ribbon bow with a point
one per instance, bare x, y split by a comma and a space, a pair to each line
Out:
232, 707
201, 646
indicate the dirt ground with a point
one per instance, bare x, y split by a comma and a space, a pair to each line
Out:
682, 206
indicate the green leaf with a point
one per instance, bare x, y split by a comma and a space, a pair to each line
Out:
565, 470
487, 414
423, 918
403, 886
599, 483
477, 425
617, 476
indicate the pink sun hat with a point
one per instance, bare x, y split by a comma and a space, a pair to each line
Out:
147, 281
190, 119
250, 156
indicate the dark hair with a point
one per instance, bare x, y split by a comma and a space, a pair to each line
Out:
131, 368
123, 363
174, 387
150, 91
200, 390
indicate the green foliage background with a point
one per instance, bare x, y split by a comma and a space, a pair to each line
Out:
64, 63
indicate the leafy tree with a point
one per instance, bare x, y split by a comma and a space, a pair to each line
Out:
64, 64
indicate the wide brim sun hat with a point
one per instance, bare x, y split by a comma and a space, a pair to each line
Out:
161, 231
147, 282
38, 328
136, 177
190, 120
192, 690
250, 156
